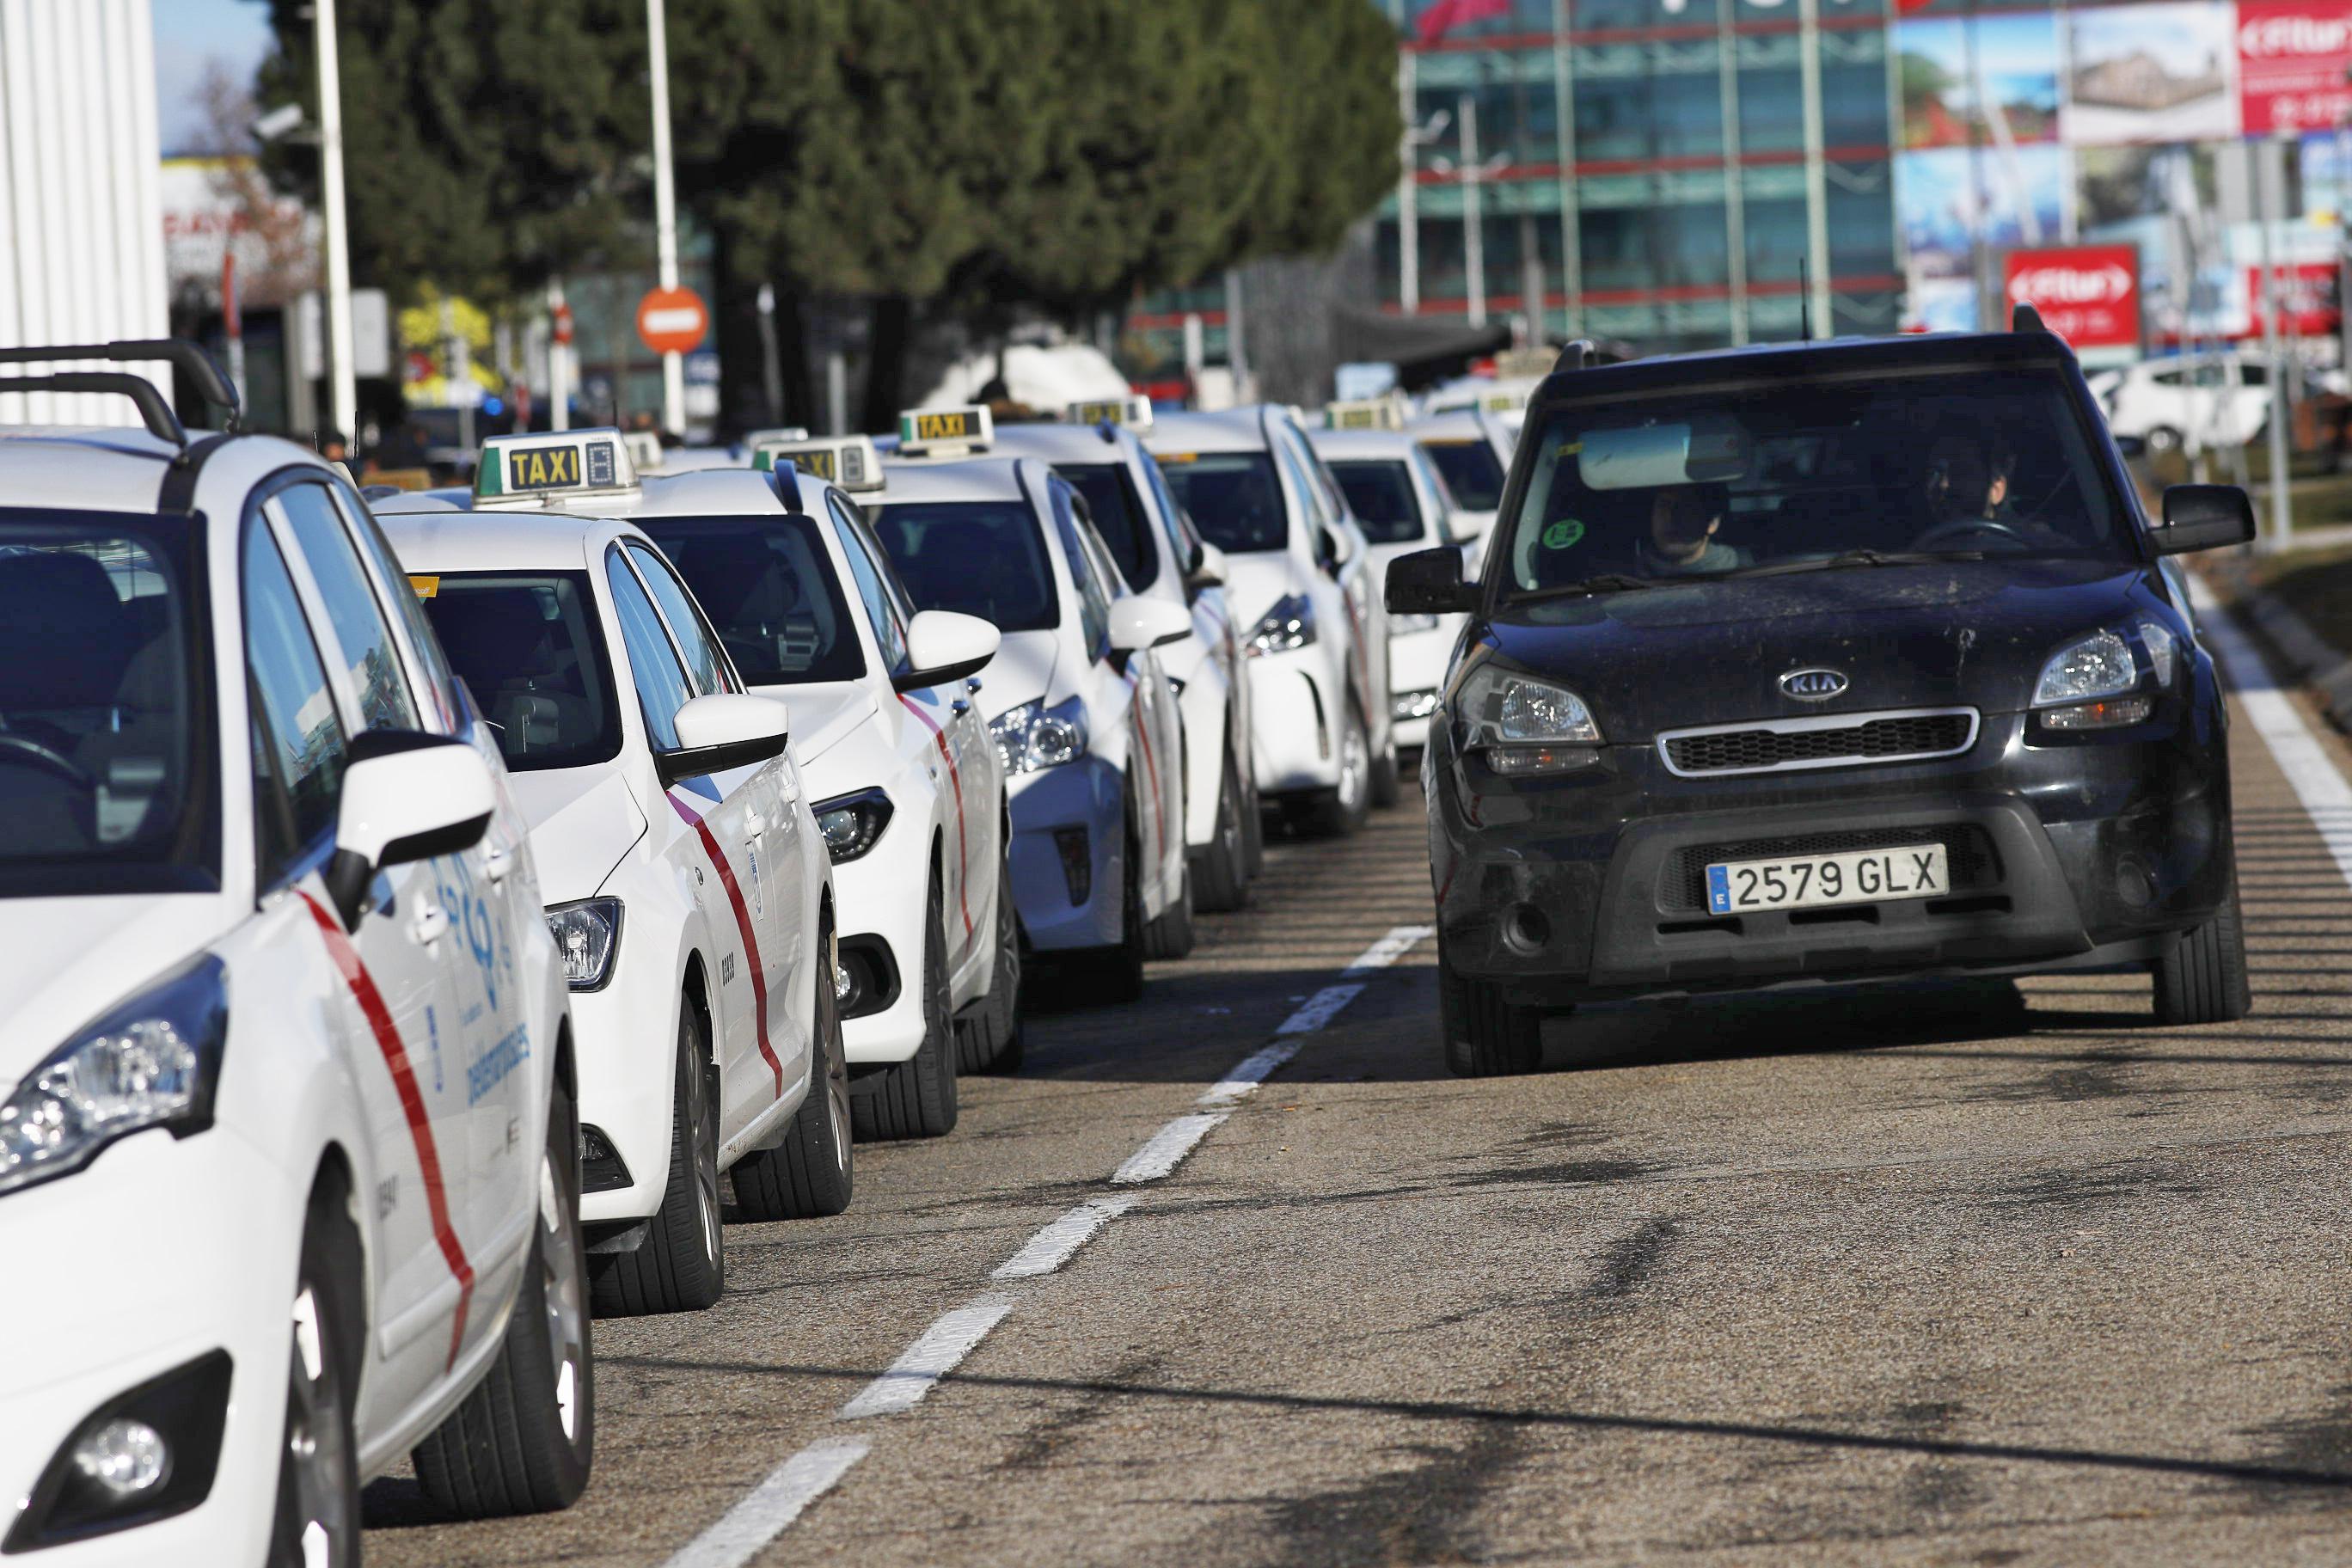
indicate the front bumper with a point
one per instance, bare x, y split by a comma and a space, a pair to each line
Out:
1081, 806
1296, 707
1417, 664
881, 897
2081, 854
628, 1073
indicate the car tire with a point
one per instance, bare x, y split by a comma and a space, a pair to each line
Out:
991, 1042
2162, 438
1221, 874
811, 1173
1338, 812
318, 1512
1254, 835
2202, 978
1171, 934
525, 1438
1485, 1036
681, 1264
1388, 778
916, 1097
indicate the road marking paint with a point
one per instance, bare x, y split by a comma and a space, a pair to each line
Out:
1399, 940
930, 1357
1165, 1150
1251, 1071
1058, 1242
2327, 798
778, 1500
1319, 1010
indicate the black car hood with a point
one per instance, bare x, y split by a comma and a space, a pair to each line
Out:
1954, 634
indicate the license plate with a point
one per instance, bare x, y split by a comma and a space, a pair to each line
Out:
1809, 881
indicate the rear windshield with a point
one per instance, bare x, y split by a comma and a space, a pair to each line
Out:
526, 645
1473, 474
770, 591
1964, 464
980, 558
1116, 509
1234, 497
106, 723
1380, 492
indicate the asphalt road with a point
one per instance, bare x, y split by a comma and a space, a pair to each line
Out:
1971, 1273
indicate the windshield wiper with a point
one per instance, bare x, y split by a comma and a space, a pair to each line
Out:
1605, 583
1857, 558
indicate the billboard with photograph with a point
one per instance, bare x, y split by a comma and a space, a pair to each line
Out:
2022, 194
2292, 57
2152, 73
1943, 62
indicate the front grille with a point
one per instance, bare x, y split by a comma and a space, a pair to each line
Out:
1970, 857
1772, 744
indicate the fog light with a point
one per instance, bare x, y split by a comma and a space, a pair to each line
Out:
1412, 704
124, 1457
2135, 884
2111, 714
1525, 929
1077, 862
1519, 761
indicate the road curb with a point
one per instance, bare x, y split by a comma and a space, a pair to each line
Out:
2308, 659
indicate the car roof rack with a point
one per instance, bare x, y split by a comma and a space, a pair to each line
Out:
2026, 318
189, 358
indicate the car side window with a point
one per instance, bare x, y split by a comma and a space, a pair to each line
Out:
1093, 599
686, 622
889, 632
433, 663
298, 737
661, 683
1173, 517
1434, 486
1302, 473
354, 615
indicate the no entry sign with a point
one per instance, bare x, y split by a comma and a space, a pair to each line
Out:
672, 320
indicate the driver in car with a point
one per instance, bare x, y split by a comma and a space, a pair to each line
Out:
1681, 541
1967, 481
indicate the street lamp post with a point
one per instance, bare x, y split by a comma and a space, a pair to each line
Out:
342, 380
665, 209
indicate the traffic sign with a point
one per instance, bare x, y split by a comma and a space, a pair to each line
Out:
561, 317
672, 320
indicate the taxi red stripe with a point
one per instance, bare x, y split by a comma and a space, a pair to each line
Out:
955, 781
1143, 735
743, 926
363, 990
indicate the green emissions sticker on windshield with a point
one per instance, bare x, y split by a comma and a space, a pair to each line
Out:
1562, 534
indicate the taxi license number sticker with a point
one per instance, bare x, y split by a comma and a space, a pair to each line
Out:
425, 587
1563, 533
1811, 881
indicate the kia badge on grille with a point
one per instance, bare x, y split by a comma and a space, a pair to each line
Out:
1813, 685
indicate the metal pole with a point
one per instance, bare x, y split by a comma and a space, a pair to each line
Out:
1408, 193
836, 393
1816, 216
772, 369
1572, 255
558, 364
665, 209
1236, 339
342, 383
2271, 198
1474, 235
1735, 196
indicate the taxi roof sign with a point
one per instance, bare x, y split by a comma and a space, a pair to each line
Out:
759, 438
1364, 414
1134, 412
848, 461
548, 468
945, 432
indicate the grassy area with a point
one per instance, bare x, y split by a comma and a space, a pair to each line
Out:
2317, 584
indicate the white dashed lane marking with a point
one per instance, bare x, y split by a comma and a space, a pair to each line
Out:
772, 1505
1055, 1246
930, 1357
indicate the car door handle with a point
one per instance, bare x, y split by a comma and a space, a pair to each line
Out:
431, 923
498, 865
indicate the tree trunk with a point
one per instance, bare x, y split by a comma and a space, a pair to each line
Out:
735, 280
886, 369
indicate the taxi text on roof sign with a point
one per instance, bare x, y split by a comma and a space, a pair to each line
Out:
849, 461
521, 469
1364, 414
1135, 412
945, 430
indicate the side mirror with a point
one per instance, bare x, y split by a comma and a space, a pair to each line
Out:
725, 730
2204, 517
1210, 571
942, 646
1137, 623
407, 797
1429, 582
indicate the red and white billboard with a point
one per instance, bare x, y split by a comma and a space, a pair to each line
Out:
2292, 55
2087, 294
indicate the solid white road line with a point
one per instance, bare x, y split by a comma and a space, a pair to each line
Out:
1399, 940
1319, 1010
1251, 1071
1165, 1150
929, 1359
1054, 1246
2317, 784
774, 1503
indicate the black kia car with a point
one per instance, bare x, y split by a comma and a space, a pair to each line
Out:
1824, 662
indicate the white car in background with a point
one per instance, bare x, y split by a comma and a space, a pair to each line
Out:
1084, 719
904, 779
287, 1177
1399, 504
1471, 450
1160, 555
2212, 399
1299, 580
691, 898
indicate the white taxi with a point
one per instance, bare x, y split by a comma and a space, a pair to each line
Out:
1083, 717
287, 1177
1297, 579
1161, 556
1471, 450
690, 897
906, 784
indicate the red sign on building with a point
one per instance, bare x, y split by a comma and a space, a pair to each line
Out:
2087, 294
2292, 55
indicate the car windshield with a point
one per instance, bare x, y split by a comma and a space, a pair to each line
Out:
1473, 474
527, 646
105, 770
1380, 492
1848, 471
1117, 513
984, 558
770, 593
1234, 497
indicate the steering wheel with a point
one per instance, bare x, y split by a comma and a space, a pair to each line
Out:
19, 748
1965, 526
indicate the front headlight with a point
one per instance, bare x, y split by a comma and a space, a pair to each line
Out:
154, 1061
1525, 725
2107, 680
588, 935
1032, 736
852, 823
1286, 627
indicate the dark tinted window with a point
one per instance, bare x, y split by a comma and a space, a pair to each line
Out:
298, 737
982, 558
1381, 495
1117, 510
1234, 497
662, 686
440, 680
769, 589
869, 569
687, 627
1094, 594
1473, 474
526, 645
